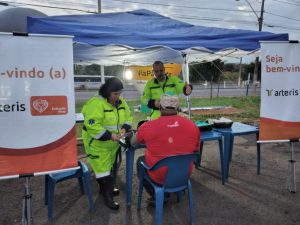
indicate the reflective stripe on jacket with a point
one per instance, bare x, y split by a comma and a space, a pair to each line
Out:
99, 117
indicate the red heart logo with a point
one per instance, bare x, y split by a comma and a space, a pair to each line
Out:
40, 105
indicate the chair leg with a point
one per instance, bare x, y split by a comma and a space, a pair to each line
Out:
200, 153
50, 198
80, 185
191, 204
140, 192
159, 206
178, 196
46, 189
86, 177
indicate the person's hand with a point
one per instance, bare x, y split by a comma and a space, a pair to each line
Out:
157, 103
188, 89
115, 137
122, 131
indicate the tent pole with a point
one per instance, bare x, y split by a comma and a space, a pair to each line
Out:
240, 72
102, 74
26, 211
292, 168
186, 77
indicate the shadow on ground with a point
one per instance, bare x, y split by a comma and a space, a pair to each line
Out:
247, 199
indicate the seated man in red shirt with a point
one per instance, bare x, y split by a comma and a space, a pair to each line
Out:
168, 135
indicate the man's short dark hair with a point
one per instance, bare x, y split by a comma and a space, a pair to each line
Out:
156, 63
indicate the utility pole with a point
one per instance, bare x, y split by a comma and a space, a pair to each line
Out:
261, 18
260, 24
99, 6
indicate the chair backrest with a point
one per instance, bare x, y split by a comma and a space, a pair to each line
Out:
68, 174
178, 169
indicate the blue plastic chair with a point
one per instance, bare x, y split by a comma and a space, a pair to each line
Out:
177, 180
54, 178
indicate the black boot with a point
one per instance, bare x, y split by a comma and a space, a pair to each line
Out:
107, 185
116, 191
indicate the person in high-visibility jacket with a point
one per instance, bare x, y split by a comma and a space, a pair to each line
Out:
106, 117
160, 84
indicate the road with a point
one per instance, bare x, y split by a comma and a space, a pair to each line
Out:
130, 93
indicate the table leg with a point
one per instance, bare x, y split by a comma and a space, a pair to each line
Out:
227, 151
198, 164
129, 174
222, 160
258, 154
231, 146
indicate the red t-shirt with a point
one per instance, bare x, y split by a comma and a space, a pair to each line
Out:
167, 136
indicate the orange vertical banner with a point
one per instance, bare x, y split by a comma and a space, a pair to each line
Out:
280, 92
37, 106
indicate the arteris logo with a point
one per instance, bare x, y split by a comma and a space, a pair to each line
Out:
282, 92
48, 105
269, 91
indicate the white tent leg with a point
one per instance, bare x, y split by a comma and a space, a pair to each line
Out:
26, 211
186, 78
102, 74
292, 167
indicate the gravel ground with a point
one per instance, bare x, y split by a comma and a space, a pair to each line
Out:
247, 199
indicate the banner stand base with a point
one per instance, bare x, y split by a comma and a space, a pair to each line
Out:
26, 212
292, 168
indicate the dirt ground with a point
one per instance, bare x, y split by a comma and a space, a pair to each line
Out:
247, 199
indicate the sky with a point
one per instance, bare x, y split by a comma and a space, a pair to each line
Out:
279, 16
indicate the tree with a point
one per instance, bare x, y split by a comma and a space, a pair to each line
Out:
210, 71
249, 68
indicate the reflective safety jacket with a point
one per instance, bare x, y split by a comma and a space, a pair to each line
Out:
154, 89
101, 119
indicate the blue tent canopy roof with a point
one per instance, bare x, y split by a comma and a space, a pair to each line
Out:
143, 28
124, 33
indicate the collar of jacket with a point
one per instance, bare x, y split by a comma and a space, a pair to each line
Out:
117, 104
157, 82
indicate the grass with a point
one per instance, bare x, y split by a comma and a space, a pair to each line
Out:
249, 104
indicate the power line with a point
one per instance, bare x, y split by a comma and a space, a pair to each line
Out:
182, 6
212, 19
204, 8
75, 3
289, 3
52, 7
285, 17
287, 28
238, 21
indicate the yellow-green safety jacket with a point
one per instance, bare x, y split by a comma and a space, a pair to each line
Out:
101, 119
154, 90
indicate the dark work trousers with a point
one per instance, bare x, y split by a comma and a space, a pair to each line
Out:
146, 183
